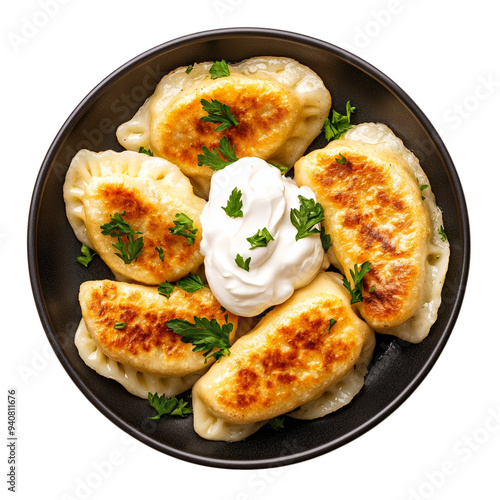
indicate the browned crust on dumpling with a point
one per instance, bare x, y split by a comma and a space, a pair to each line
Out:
374, 212
290, 358
266, 111
146, 212
146, 343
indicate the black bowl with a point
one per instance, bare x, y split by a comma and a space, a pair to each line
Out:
397, 368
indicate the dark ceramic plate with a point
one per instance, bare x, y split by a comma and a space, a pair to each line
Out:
397, 368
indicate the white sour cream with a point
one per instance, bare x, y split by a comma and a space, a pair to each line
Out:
275, 270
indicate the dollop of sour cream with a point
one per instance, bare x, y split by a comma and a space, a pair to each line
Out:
275, 270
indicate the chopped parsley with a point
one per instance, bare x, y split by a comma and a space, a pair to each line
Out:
145, 151
260, 239
168, 406
217, 159
277, 423
326, 240
165, 289
184, 227
234, 204
86, 256
119, 228
189, 69
338, 124
332, 322
244, 264
282, 169
219, 69
357, 277
306, 217
218, 113
161, 253
442, 233
120, 325
205, 335
190, 283
342, 160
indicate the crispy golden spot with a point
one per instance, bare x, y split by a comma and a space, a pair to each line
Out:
266, 112
144, 216
297, 355
145, 318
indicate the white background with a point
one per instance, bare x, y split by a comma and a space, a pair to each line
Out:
444, 441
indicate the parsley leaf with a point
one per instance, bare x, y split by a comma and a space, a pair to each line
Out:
119, 325
119, 228
342, 160
145, 151
442, 233
161, 253
165, 405
190, 283
282, 169
213, 160
218, 113
165, 289
204, 334
306, 217
357, 278
234, 204
244, 264
219, 69
260, 239
184, 227
189, 69
277, 423
338, 124
326, 240
86, 256
332, 322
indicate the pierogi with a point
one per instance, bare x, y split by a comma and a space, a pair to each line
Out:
299, 352
143, 354
149, 192
370, 187
279, 103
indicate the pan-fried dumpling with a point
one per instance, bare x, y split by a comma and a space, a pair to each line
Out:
379, 208
148, 193
294, 355
280, 105
144, 355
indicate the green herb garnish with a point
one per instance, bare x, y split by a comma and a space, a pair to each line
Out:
234, 204
168, 406
332, 322
260, 239
165, 289
277, 423
219, 69
189, 69
342, 160
213, 158
338, 124
326, 240
161, 253
184, 227
357, 278
244, 264
218, 113
190, 283
119, 228
282, 169
86, 256
442, 233
306, 217
205, 335
145, 151
119, 325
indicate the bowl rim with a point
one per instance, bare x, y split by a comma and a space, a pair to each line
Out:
204, 36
